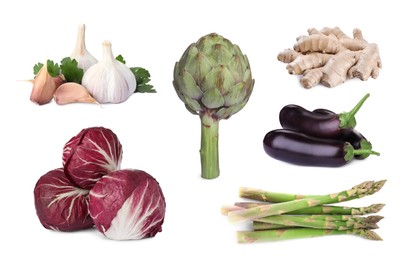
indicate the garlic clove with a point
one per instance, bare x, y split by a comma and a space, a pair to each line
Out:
71, 92
44, 85
109, 81
80, 54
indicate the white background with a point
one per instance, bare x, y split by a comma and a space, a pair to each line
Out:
161, 137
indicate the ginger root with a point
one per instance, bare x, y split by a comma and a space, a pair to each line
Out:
329, 57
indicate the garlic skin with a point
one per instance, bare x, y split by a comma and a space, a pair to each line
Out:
109, 81
71, 92
44, 86
80, 54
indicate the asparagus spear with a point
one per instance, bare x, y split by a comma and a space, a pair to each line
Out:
323, 222
269, 196
292, 233
369, 219
276, 197
322, 209
266, 226
304, 216
358, 191
257, 225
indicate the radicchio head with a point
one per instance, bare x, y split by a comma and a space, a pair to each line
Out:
60, 204
127, 204
91, 154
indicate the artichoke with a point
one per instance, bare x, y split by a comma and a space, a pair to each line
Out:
213, 79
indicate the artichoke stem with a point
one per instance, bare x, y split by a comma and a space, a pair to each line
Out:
209, 155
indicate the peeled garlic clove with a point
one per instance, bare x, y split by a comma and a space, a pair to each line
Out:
80, 54
44, 85
109, 81
71, 92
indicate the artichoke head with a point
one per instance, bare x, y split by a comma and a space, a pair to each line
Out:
213, 76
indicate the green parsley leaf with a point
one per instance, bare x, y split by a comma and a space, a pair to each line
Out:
70, 70
37, 67
145, 88
120, 58
53, 68
142, 76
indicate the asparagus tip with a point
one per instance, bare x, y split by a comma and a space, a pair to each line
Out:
369, 234
375, 208
374, 219
368, 187
379, 185
371, 226
242, 190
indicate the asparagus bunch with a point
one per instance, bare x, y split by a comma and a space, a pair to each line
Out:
284, 234
280, 216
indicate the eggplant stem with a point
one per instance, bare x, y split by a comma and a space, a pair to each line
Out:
347, 119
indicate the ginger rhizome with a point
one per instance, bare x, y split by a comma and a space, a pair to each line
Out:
329, 57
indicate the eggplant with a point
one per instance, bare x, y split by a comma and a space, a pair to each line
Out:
351, 135
300, 149
297, 118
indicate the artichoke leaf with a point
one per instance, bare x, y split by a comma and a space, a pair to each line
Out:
247, 75
220, 54
219, 78
180, 95
237, 68
226, 112
187, 85
212, 98
189, 51
205, 43
193, 104
198, 66
236, 95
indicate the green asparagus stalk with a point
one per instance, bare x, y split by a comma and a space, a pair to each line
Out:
358, 191
266, 226
276, 197
293, 233
369, 221
322, 209
269, 196
323, 222
287, 217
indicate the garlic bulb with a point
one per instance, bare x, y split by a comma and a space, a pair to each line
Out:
109, 81
80, 53
44, 85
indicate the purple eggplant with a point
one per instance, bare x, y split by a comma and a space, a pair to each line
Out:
351, 135
300, 149
297, 118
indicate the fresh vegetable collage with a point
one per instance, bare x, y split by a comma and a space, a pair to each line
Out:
213, 79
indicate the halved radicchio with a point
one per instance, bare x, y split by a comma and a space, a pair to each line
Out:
91, 154
60, 204
127, 204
